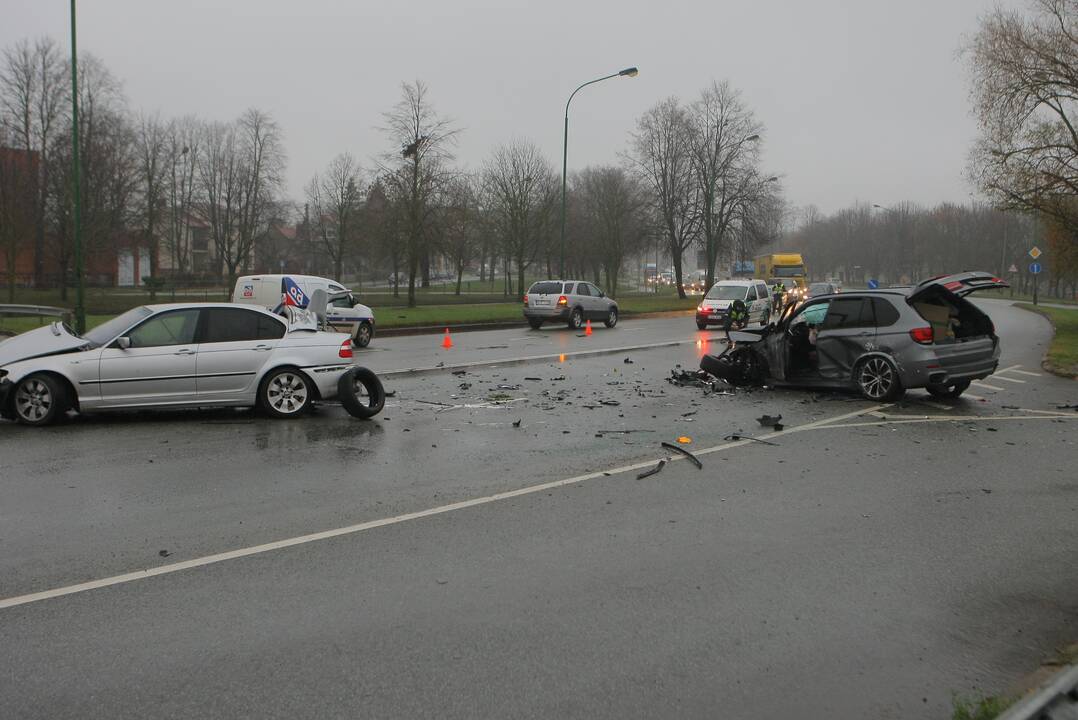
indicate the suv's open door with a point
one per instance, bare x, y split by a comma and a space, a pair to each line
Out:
961, 284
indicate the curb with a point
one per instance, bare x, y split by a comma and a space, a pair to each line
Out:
1047, 364
404, 331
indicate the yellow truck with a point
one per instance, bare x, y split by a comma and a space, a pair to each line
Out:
789, 267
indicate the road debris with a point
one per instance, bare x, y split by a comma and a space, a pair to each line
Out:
627, 361
769, 420
652, 471
460, 372
163, 553
739, 436
685, 440
517, 423
609, 402
695, 460
391, 393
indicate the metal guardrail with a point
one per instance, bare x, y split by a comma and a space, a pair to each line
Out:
36, 310
1056, 700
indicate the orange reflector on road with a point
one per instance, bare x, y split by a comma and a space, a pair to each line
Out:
685, 440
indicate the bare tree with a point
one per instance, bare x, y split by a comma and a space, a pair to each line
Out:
34, 96
182, 155
461, 222
520, 191
151, 147
335, 195
660, 156
724, 157
612, 212
219, 191
1025, 93
417, 172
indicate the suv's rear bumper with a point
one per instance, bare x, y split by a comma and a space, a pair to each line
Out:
946, 364
546, 313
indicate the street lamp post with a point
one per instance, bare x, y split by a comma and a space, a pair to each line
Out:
80, 309
627, 72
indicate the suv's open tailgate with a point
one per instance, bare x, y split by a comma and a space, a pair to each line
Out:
961, 284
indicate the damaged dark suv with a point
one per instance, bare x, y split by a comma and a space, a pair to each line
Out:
880, 342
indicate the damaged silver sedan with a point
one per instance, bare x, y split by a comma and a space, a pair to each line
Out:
879, 342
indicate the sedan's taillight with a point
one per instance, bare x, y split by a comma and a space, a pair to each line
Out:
346, 349
563, 300
922, 335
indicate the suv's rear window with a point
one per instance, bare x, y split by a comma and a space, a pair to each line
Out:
545, 288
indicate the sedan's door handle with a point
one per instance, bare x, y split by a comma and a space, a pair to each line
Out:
185, 351
261, 348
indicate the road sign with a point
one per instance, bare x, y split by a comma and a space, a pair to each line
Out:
1035, 252
873, 284
1035, 268
1012, 268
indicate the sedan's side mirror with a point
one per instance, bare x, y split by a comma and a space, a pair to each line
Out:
124, 343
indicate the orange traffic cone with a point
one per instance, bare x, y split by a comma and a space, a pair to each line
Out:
587, 330
446, 342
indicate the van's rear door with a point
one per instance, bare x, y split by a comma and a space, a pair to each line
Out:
961, 284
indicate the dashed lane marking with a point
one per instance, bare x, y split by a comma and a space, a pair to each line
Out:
395, 520
1025, 372
997, 376
986, 385
971, 396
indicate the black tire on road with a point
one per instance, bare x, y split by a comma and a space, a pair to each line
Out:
535, 323
877, 379
700, 325
285, 393
363, 335
611, 318
361, 393
576, 319
948, 391
39, 399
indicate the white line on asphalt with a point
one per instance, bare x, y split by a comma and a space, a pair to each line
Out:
971, 396
997, 376
986, 385
1025, 372
959, 418
383, 522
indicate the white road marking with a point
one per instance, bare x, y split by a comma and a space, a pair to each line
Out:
955, 418
1024, 372
971, 396
986, 385
997, 376
383, 522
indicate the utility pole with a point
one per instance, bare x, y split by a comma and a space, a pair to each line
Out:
80, 308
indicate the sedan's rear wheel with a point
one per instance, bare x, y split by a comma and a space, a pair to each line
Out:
285, 393
40, 400
877, 378
948, 391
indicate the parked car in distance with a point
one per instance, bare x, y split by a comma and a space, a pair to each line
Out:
715, 306
569, 301
881, 342
173, 356
346, 314
821, 288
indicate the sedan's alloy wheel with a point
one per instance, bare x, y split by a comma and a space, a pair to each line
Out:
287, 393
33, 400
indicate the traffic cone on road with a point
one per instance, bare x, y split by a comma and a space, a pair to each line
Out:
446, 342
587, 329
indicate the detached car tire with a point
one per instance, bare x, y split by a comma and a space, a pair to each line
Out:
361, 405
285, 393
39, 400
877, 379
948, 391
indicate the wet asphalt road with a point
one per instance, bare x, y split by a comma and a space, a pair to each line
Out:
872, 564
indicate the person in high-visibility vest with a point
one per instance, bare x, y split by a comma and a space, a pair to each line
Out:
737, 317
778, 292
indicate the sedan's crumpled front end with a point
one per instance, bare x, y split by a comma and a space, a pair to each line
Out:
48, 340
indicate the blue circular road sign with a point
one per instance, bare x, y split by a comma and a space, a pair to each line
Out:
1035, 268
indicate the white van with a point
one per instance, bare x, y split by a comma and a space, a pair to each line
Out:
344, 314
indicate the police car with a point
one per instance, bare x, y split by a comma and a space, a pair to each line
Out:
344, 314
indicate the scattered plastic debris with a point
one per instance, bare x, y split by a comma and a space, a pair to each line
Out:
685, 440
652, 471
739, 436
769, 420
695, 460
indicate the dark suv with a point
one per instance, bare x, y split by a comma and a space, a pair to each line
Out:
880, 342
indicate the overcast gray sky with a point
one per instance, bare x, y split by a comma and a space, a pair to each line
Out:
862, 99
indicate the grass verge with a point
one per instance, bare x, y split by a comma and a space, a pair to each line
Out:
1062, 357
985, 708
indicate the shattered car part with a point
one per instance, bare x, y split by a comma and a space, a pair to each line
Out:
769, 421
652, 471
695, 460
739, 436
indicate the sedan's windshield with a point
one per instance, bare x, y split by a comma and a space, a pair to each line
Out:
111, 328
726, 292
